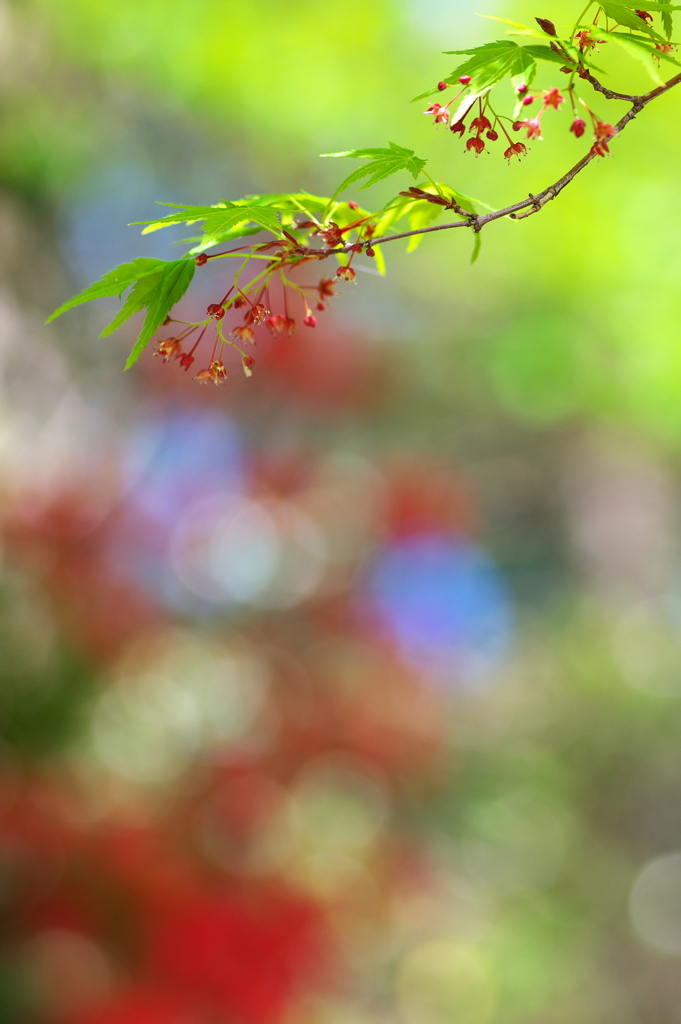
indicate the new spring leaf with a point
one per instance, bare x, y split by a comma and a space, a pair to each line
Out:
382, 163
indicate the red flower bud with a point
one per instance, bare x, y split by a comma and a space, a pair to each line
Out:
320, 307
528, 100
356, 247
310, 321
370, 252
546, 26
442, 86
201, 259
353, 205
459, 128
578, 127
465, 79
492, 135
522, 88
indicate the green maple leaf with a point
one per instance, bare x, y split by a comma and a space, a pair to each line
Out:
219, 218
169, 289
141, 295
666, 10
382, 163
114, 282
623, 14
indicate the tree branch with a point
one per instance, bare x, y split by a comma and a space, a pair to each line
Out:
534, 203
608, 93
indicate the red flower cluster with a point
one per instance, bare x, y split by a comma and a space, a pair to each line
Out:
603, 132
256, 314
215, 374
551, 98
486, 126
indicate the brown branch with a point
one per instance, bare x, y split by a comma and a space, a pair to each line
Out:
608, 93
534, 203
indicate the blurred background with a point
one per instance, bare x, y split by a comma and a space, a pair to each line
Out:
348, 694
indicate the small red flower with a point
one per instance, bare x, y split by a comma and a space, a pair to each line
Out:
578, 127
290, 326
256, 315
604, 132
346, 273
515, 149
169, 349
186, 360
480, 124
440, 113
275, 325
663, 48
332, 235
238, 302
201, 259
320, 307
645, 16
216, 311
585, 40
310, 320
243, 334
492, 135
477, 144
325, 288
248, 362
458, 128
465, 79
533, 128
441, 86
553, 98
215, 374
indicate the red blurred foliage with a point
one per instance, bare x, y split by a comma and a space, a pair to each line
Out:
324, 369
192, 937
249, 955
64, 540
426, 498
142, 1004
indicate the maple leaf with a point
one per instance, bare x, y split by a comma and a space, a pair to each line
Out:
382, 163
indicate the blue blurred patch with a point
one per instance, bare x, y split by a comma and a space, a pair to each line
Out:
174, 459
444, 604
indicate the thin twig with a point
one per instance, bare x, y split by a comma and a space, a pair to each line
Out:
608, 93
